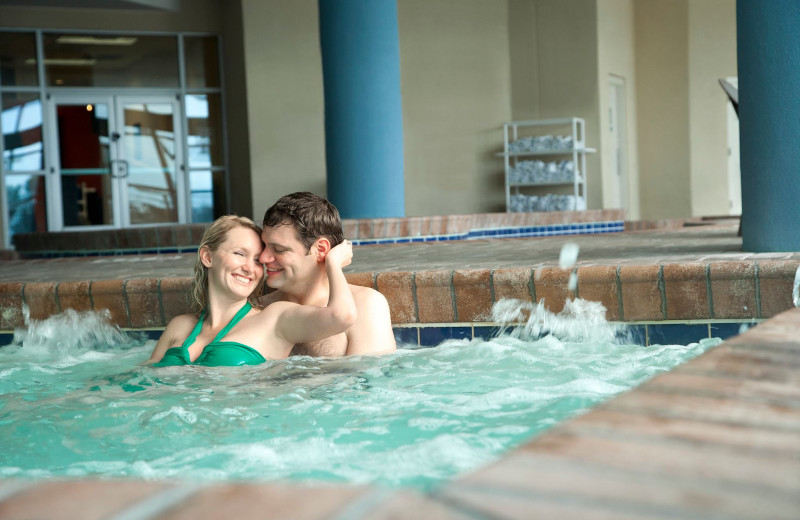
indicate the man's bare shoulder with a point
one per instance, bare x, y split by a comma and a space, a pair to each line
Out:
372, 333
359, 291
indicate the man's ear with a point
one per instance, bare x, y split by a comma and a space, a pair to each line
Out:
205, 256
323, 247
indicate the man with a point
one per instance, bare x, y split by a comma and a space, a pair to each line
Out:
299, 231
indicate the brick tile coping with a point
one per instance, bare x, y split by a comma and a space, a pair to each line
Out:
184, 238
718, 437
740, 290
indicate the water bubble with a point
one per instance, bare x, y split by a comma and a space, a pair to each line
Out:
568, 255
573, 281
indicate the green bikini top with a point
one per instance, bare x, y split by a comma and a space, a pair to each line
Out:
217, 353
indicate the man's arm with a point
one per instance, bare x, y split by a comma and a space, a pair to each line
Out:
372, 333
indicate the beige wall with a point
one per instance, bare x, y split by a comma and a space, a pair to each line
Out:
524, 56
568, 68
682, 49
454, 65
662, 103
284, 99
616, 56
712, 55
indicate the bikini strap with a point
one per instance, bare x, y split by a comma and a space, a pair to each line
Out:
236, 319
196, 330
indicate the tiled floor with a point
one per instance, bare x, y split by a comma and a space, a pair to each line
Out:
717, 242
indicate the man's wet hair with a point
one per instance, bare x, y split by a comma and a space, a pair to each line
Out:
311, 216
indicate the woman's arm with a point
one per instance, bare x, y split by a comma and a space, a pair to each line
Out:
304, 323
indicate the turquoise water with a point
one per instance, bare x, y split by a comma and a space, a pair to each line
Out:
73, 402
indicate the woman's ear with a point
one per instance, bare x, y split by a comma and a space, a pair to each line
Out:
205, 256
323, 246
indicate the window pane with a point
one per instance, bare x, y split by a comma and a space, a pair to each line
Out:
18, 59
86, 60
202, 62
26, 203
21, 122
202, 191
204, 117
149, 150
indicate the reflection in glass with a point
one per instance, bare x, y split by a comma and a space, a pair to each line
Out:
22, 132
204, 120
73, 60
26, 204
18, 59
84, 161
149, 144
202, 192
202, 63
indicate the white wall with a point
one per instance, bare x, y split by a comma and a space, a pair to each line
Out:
662, 105
284, 99
455, 70
616, 56
712, 56
568, 69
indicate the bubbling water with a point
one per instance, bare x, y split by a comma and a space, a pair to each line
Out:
71, 333
579, 321
74, 401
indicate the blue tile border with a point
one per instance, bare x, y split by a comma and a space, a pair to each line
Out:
584, 228
676, 334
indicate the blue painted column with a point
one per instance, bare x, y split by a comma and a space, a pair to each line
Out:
363, 111
768, 48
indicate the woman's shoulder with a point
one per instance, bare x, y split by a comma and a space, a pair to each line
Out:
183, 322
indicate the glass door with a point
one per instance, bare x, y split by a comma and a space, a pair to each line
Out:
84, 190
149, 148
115, 161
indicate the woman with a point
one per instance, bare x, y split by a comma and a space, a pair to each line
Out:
228, 327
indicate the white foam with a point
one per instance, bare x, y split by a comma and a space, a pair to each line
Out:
568, 255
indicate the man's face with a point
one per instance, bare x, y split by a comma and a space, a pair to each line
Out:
288, 263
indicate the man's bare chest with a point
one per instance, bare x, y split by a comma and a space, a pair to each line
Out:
328, 347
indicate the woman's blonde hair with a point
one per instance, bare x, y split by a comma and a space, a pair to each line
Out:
214, 235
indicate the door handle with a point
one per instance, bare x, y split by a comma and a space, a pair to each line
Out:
122, 165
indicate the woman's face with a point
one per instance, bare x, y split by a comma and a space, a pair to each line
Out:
234, 267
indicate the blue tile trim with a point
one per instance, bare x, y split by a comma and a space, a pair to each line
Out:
584, 228
676, 334
725, 330
406, 335
431, 336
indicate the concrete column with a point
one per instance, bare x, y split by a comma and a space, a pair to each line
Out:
768, 47
363, 111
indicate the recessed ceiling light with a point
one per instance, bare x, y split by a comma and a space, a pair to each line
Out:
69, 62
95, 40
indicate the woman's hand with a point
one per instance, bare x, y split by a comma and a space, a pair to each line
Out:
341, 255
